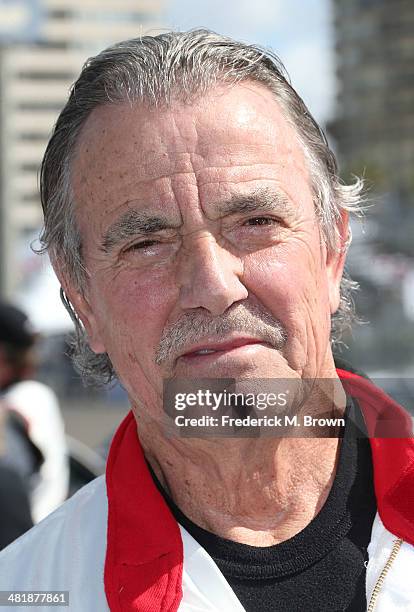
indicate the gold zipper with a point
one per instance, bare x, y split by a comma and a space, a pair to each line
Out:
378, 586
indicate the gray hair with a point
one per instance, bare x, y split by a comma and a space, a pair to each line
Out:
156, 71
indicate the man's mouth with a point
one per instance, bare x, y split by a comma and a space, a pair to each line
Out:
201, 352
218, 348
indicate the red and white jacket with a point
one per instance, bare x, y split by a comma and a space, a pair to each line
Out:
116, 546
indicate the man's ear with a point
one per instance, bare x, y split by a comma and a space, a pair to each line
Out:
335, 261
80, 304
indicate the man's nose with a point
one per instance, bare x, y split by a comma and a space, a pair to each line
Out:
209, 275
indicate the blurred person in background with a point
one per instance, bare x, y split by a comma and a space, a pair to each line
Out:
196, 220
34, 429
15, 515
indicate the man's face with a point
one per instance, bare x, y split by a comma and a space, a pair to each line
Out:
202, 244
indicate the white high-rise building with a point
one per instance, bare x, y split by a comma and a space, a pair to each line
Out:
36, 71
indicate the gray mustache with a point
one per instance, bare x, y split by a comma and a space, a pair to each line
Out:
193, 327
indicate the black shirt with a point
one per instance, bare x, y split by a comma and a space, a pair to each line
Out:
322, 567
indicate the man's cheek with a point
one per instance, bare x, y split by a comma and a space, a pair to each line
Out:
277, 284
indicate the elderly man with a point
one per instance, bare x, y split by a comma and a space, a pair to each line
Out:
195, 219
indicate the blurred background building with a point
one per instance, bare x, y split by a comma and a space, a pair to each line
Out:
375, 105
373, 130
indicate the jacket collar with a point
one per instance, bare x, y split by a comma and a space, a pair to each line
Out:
144, 558
390, 433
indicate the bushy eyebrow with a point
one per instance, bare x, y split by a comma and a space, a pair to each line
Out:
260, 200
133, 222
130, 224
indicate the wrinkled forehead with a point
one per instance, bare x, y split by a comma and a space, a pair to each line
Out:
245, 115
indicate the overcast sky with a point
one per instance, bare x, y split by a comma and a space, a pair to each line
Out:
298, 31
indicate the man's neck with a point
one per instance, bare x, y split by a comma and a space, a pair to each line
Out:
255, 491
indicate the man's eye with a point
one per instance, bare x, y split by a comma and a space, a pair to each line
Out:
141, 245
260, 221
